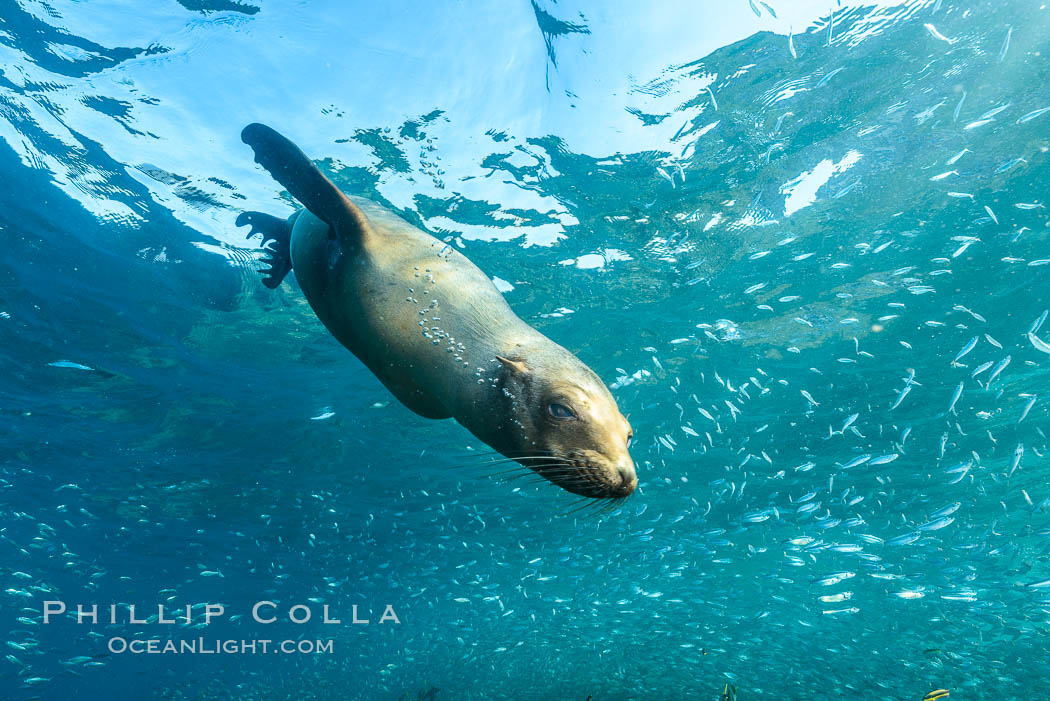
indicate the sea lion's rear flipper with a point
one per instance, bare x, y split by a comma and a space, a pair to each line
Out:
291, 168
276, 231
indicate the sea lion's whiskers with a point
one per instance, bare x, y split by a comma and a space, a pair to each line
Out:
540, 480
513, 478
590, 502
511, 461
553, 472
611, 505
520, 468
506, 460
512, 471
567, 476
490, 453
552, 468
523, 471
524, 455
574, 503
598, 507
477, 453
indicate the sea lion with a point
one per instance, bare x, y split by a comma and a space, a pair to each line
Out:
435, 330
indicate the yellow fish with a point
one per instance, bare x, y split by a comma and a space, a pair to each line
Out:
936, 695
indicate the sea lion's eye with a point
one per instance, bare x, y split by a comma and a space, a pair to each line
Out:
560, 411
630, 438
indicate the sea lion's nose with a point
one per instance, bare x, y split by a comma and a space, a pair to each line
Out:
628, 478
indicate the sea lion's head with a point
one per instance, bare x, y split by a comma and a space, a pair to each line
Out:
565, 426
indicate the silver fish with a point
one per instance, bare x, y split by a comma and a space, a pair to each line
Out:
1027, 408
955, 398
901, 396
981, 368
829, 76
945, 511
859, 460
970, 345
958, 109
994, 111
937, 524
1006, 43
1018, 454
1000, 366
1039, 343
906, 539
937, 35
1033, 114
1038, 323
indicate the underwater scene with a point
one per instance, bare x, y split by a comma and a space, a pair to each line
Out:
794, 253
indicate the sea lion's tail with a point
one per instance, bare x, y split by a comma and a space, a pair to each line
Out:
276, 231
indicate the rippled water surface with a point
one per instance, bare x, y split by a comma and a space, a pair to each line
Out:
805, 243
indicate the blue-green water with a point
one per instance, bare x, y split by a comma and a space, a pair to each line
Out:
772, 236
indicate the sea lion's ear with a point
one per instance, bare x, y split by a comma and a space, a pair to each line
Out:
517, 367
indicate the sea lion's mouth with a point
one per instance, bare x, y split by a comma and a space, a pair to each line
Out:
586, 477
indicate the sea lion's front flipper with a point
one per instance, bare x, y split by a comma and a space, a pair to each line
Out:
291, 168
276, 231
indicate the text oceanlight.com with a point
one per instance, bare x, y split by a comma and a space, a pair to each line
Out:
200, 646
